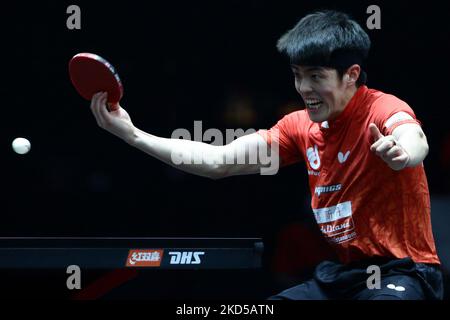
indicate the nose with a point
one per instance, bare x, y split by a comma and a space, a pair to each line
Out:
303, 86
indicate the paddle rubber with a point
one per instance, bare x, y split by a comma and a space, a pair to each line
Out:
91, 73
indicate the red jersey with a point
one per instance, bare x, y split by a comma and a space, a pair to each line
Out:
363, 208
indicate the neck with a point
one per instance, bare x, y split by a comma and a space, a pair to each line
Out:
350, 92
348, 96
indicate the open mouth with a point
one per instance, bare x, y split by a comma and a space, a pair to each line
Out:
313, 104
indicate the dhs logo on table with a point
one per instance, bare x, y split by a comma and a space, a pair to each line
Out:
186, 257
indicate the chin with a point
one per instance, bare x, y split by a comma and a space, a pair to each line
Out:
317, 118
320, 116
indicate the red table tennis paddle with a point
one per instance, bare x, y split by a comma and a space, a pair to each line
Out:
91, 73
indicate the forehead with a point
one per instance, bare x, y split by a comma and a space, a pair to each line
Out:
309, 68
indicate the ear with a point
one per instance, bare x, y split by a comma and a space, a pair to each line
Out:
352, 74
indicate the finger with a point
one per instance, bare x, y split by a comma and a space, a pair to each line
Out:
94, 100
99, 107
103, 107
401, 158
384, 147
375, 132
114, 106
93, 106
377, 144
394, 152
374, 146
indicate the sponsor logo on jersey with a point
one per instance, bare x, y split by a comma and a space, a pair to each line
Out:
336, 222
327, 189
313, 157
343, 157
313, 173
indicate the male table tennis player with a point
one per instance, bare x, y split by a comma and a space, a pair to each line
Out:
363, 150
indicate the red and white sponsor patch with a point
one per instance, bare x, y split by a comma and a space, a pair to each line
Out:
144, 258
336, 222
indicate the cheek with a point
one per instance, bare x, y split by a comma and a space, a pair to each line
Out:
326, 95
297, 86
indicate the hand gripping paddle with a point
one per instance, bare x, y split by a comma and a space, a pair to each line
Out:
91, 73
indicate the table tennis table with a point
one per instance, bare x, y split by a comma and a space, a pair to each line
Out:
144, 252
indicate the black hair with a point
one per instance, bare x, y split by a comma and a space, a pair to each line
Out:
327, 39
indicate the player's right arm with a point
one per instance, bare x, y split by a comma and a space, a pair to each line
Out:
190, 156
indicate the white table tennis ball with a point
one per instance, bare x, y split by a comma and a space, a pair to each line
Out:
21, 145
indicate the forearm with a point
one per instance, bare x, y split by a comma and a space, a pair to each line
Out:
245, 155
190, 156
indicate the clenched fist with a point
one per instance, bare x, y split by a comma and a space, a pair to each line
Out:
388, 149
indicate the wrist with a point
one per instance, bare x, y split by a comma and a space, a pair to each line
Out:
133, 137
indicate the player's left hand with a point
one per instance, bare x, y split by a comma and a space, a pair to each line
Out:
388, 149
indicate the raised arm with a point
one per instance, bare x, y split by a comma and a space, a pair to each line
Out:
246, 155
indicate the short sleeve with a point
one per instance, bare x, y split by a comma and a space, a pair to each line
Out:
390, 112
286, 133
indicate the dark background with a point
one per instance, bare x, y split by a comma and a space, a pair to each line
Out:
182, 61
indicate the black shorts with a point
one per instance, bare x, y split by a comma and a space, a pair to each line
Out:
400, 279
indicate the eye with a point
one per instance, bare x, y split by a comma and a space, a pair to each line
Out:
315, 76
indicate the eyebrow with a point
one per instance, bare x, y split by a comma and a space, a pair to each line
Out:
314, 69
